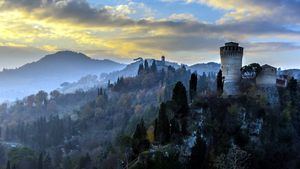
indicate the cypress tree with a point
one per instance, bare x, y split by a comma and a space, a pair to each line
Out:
179, 99
292, 87
140, 142
146, 66
163, 125
154, 67
175, 129
220, 82
193, 86
140, 131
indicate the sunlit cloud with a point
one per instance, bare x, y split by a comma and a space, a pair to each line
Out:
132, 29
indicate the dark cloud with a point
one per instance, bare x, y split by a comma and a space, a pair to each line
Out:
80, 12
77, 11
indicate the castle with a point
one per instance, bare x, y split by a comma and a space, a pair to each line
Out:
231, 64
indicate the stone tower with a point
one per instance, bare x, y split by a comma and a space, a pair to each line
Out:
231, 63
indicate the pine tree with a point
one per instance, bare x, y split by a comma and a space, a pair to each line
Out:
163, 125
193, 86
220, 82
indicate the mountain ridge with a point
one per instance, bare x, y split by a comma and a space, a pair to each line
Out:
50, 71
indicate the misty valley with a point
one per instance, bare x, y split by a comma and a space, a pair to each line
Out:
151, 114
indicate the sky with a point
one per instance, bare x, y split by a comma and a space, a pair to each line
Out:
185, 31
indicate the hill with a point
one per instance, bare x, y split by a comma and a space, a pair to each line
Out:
49, 72
131, 69
292, 73
205, 67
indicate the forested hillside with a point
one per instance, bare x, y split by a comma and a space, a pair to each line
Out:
64, 130
169, 118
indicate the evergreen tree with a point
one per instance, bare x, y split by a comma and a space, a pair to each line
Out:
193, 86
146, 66
154, 67
220, 82
140, 142
292, 87
179, 99
175, 130
163, 125
198, 154
141, 131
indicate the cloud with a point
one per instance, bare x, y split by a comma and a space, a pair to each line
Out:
269, 47
127, 31
278, 11
182, 17
78, 11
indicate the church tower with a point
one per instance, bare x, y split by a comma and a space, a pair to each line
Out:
231, 63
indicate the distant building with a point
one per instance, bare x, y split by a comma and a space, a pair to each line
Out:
231, 63
163, 59
267, 76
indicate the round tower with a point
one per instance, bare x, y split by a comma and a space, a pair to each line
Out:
231, 63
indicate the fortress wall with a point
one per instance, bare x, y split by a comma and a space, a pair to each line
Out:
266, 79
267, 76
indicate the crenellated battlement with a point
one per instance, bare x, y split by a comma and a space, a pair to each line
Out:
230, 49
